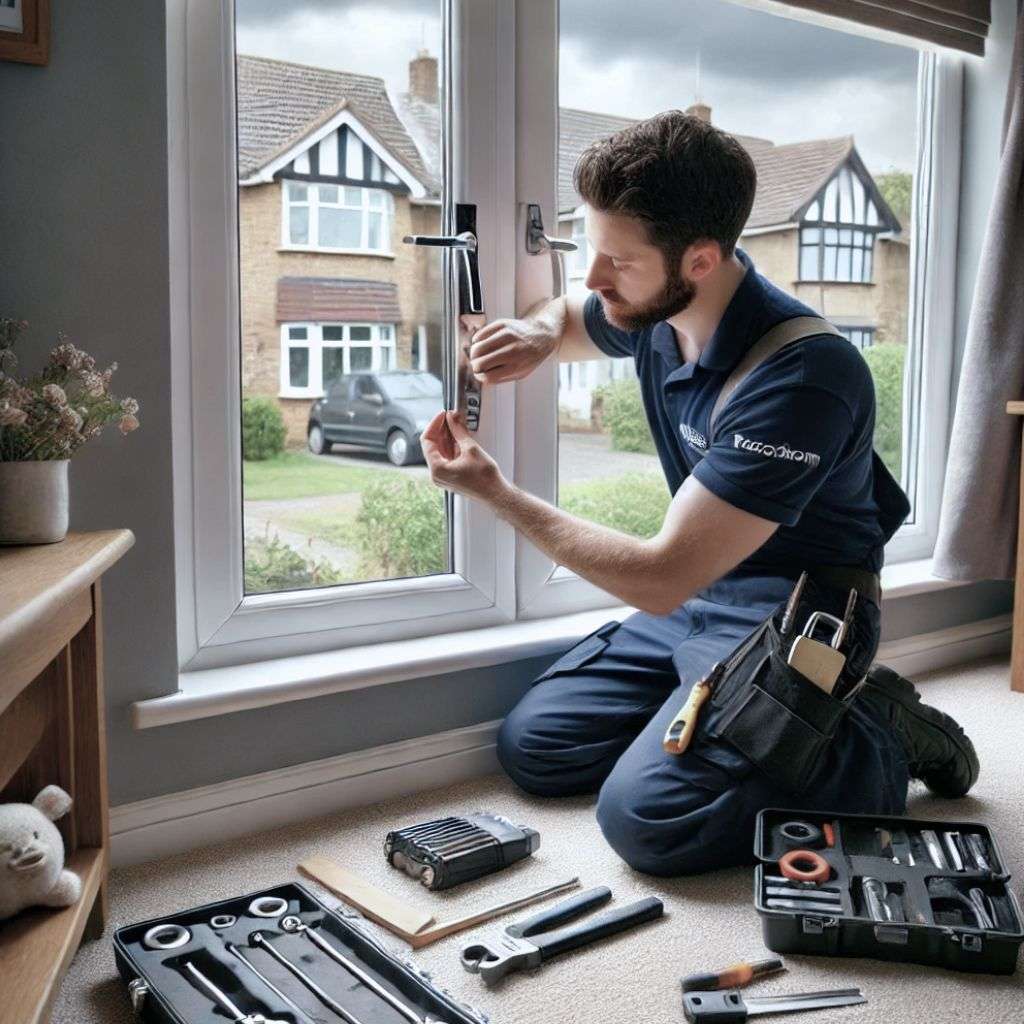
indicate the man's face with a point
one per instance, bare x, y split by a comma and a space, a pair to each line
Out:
629, 274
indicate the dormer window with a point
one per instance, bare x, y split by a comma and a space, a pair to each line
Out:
837, 235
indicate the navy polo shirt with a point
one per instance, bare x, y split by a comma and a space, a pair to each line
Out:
793, 443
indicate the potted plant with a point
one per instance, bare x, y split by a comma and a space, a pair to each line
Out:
44, 420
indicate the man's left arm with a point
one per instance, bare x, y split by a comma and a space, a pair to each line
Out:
701, 538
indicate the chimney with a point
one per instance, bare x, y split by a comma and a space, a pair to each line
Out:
701, 110
423, 78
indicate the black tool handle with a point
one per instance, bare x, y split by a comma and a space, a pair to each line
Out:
612, 923
560, 913
714, 1007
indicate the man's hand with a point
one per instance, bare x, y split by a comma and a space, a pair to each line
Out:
512, 349
456, 460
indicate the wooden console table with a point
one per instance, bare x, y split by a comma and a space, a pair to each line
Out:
52, 731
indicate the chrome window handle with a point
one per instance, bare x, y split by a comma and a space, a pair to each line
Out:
471, 306
538, 242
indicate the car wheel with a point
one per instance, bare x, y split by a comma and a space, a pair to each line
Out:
400, 452
318, 445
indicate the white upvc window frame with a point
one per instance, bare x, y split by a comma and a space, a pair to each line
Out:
217, 624
545, 589
315, 344
314, 205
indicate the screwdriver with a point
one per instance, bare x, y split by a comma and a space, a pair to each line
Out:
734, 976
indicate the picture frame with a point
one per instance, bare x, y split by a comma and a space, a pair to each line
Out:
25, 31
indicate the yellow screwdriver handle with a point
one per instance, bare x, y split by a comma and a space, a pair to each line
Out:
680, 730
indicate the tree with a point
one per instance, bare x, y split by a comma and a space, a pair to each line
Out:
897, 188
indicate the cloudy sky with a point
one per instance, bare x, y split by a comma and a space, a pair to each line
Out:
762, 75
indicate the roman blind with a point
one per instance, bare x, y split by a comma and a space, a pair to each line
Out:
957, 24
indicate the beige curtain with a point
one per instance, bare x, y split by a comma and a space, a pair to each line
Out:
978, 524
957, 24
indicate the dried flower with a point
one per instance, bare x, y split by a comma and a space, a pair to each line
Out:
70, 419
93, 383
54, 394
11, 415
129, 406
128, 424
67, 355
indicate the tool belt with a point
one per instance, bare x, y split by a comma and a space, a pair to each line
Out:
770, 712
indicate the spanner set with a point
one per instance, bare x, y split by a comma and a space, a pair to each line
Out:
274, 957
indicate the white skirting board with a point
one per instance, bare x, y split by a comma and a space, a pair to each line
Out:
150, 829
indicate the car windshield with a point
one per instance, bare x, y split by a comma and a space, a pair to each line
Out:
412, 385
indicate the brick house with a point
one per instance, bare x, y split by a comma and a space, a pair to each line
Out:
820, 229
330, 180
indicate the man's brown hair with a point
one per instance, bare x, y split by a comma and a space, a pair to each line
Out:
684, 179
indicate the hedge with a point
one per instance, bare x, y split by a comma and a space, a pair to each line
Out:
271, 565
263, 429
886, 365
623, 416
400, 529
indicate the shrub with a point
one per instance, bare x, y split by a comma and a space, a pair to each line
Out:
400, 529
635, 503
263, 430
271, 565
622, 414
886, 364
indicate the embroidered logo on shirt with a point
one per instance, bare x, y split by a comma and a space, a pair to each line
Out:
694, 438
776, 451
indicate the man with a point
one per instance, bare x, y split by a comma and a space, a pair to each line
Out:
786, 480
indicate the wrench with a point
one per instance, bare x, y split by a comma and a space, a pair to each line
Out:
332, 1004
225, 1003
294, 925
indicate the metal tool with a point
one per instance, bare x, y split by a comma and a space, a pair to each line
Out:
793, 883
236, 952
818, 662
794, 892
731, 1008
220, 921
982, 908
450, 851
224, 1002
294, 925
166, 936
978, 851
951, 840
935, 854
471, 318
844, 631
945, 889
530, 943
734, 976
268, 906
901, 849
791, 606
332, 1004
805, 906
876, 895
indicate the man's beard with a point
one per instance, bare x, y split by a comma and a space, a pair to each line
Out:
677, 294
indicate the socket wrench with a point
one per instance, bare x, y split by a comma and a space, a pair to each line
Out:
224, 1002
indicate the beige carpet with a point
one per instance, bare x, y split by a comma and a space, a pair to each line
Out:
631, 978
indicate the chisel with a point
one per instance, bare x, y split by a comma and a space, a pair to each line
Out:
730, 1007
735, 976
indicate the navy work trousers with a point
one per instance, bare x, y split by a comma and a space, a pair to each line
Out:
594, 722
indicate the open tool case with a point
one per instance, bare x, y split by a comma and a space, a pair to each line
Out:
162, 991
919, 912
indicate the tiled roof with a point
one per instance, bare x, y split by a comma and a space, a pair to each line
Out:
787, 176
280, 102
337, 299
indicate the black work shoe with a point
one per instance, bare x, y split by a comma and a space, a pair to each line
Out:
939, 752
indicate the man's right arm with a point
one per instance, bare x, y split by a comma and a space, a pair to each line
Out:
512, 349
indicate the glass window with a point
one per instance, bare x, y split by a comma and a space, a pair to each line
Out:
298, 225
298, 333
335, 332
809, 263
359, 333
298, 367
339, 228
333, 363
360, 358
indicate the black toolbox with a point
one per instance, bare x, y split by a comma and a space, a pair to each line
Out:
162, 990
914, 910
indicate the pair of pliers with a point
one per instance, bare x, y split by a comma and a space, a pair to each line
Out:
531, 942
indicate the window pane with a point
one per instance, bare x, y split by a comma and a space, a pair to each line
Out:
375, 231
298, 367
858, 265
353, 197
298, 333
359, 333
298, 192
809, 263
333, 363
830, 263
811, 236
328, 193
333, 332
387, 357
360, 358
298, 225
340, 228
376, 199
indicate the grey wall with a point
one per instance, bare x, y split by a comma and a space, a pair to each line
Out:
83, 248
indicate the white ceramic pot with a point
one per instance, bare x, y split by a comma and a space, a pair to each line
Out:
33, 502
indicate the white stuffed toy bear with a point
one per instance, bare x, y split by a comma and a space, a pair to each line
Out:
32, 855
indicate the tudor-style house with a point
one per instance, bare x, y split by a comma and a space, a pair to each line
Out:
820, 229
330, 180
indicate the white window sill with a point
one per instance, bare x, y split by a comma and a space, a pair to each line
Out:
337, 252
220, 691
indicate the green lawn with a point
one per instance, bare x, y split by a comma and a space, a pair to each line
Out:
298, 475
333, 527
